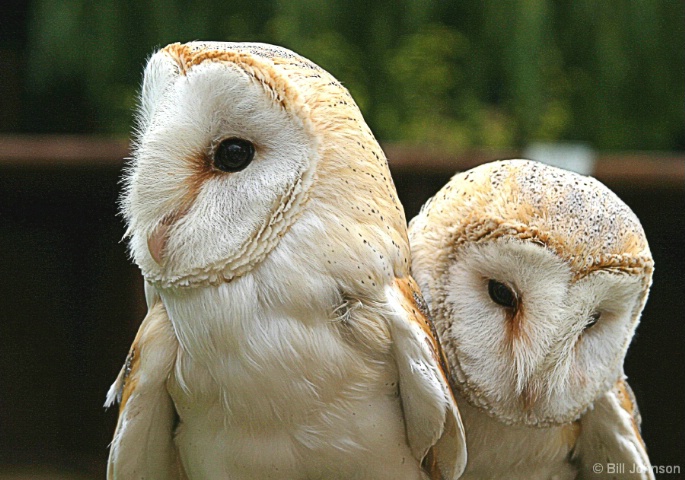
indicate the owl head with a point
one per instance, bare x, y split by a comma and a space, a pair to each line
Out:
235, 143
536, 278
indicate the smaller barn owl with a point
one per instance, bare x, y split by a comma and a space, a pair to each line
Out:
536, 278
285, 338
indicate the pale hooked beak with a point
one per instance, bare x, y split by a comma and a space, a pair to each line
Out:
531, 393
156, 242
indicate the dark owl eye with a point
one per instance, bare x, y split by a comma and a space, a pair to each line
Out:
594, 318
501, 294
233, 154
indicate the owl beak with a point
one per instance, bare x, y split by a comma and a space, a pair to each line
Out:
156, 242
531, 394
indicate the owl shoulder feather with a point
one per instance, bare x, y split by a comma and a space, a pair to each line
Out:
610, 434
434, 428
143, 442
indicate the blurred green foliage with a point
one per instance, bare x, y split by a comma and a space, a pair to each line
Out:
450, 74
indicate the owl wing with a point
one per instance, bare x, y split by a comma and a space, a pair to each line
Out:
434, 428
143, 445
610, 438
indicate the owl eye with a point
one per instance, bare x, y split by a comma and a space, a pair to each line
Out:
594, 318
501, 294
233, 154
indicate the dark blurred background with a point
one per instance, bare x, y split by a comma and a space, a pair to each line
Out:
444, 85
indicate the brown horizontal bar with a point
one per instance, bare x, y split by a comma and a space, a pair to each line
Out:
656, 170
62, 150
636, 169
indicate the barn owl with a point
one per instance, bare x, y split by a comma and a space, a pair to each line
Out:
536, 278
285, 338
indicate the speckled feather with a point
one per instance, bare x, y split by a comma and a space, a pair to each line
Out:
575, 216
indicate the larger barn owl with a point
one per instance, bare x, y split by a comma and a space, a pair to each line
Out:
536, 278
285, 338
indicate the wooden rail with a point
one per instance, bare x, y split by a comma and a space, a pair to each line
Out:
630, 169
